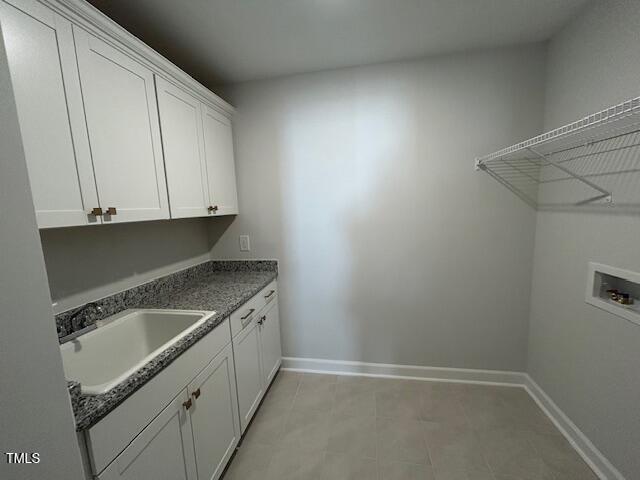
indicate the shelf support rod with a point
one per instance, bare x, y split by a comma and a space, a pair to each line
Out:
506, 184
606, 195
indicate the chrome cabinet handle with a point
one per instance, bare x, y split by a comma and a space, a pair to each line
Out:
196, 394
246, 320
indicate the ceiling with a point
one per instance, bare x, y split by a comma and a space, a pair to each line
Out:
225, 41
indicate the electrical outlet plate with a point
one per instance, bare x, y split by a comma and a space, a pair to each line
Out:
245, 245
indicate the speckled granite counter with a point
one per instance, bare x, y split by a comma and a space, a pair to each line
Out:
219, 286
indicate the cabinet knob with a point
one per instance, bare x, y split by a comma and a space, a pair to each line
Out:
96, 211
212, 208
187, 404
111, 211
196, 394
262, 319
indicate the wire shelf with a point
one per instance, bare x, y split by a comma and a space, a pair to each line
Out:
583, 163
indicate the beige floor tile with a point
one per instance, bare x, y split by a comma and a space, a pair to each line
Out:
283, 391
399, 404
308, 431
484, 407
561, 458
285, 377
451, 389
511, 452
267, 425
462, 474
250, 462
351, 400
402, 440
442, 405
357, 382
354, 436
292, 464
318, 379
491, 407
525, 413
455, 450
321, 427
390, 470
347, 467
397, 385
315, 396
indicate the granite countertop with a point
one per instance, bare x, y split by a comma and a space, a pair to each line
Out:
218, 286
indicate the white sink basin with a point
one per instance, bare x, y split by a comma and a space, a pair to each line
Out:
124, 343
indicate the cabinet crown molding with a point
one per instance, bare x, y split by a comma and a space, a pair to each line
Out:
87, 16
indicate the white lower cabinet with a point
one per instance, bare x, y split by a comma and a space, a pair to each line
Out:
214, 415
162, 451
257, 350
270, 341
158, 435
246, 347
151, 437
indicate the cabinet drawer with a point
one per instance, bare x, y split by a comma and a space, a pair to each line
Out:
268, 294
246, 314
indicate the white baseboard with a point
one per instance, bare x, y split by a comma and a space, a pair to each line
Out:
342, 367
585, 448
580, 442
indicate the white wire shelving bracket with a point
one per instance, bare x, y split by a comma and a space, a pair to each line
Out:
573, 164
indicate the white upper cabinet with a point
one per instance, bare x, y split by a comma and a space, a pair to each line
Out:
218, 150
42, 64
92, 101
124, 132
198, 154
183, 146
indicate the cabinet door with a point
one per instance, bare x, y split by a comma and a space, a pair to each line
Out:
183, 147
42, 63
270, 341
214, 415
221, 173
246, 350
124, 133
162, 451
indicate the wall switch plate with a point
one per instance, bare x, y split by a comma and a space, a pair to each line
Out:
245, 246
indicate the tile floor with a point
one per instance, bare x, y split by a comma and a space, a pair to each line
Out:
326, 427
